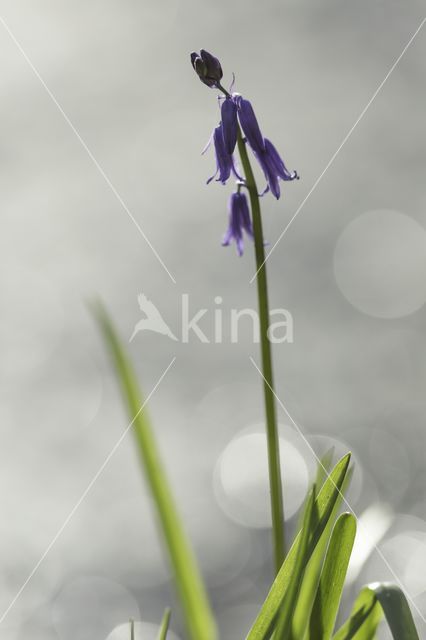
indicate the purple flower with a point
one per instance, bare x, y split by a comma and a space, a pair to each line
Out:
224, 160
273, 167
268, 157
249, 124
229, 124
239, 221
207, 67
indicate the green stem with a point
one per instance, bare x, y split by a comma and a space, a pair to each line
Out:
268, 385
274, 464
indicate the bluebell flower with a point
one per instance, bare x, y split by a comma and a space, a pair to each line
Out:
229, 124
224, 160
249, 124
239, 221
207, 67
274, 168
266, 154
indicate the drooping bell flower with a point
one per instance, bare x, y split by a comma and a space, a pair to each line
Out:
239, 221
274, 168
249, 124
229, 124
207, 67
224, 160
266, 154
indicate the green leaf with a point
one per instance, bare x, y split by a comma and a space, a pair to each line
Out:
311, 578
284, 630
323, 466
396, 610
324, 506
190, 587
364, 619
162, 634
329, 593
374, 601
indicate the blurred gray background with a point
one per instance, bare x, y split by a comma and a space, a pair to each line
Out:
351, 269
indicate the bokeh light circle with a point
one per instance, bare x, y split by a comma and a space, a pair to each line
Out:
402, 556
380, 264
241, 479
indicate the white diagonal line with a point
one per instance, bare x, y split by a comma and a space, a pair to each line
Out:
308, 444
86, 148
83, 495
345, 139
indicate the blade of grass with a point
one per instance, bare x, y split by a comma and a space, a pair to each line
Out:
396, 609
365, 618
375, 601
324, 505
324, 466
284, 630
329, 593
162, 634
132, 630
190, 587
311, 578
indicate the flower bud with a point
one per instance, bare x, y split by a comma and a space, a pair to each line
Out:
207, 67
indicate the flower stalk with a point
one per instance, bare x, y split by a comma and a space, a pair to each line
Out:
274, 465
238, 118
272, 438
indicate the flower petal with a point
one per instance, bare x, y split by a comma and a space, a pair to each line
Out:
250, 125
239, 221
277, 162
223, 159
245, 217
229, 124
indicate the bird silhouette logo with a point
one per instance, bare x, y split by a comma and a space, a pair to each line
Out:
153, 320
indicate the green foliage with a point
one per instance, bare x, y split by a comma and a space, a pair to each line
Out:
324, 506
374, 602
284, 629
330, 587
313, 569
162, 635
190, 587
304, 599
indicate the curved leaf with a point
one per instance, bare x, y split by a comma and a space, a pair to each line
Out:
396, 610
162, 634
307, 594
284, 630
189, 584
329, 593
375, 601
324, 506
364, 619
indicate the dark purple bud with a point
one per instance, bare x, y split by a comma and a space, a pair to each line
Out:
229, 124
207, 67
199, 65
239, 221
250, 125
224, 160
